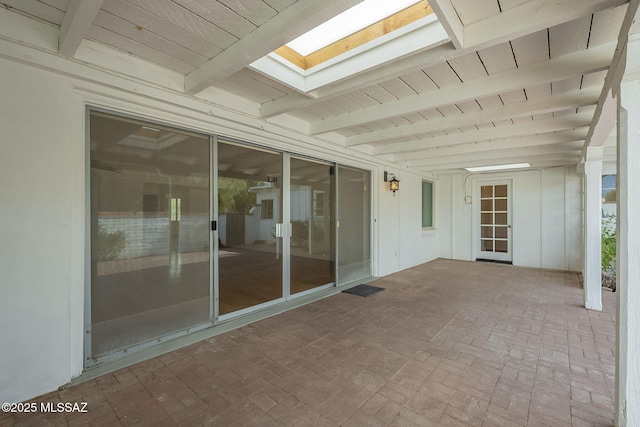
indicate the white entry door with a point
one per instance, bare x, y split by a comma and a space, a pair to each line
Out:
493, 233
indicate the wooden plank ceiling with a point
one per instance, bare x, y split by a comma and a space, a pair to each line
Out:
518, 81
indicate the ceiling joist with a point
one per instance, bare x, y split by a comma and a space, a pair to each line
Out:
406, 150
481, 34
292, 22
76, 23
542, 139
578, 98
555, 69
448, 17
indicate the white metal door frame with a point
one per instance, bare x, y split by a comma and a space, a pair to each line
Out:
477, 239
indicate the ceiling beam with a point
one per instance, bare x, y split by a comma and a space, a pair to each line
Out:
574, 147
75, 25
564, 101
447, 51
583, 62
536, 161
605, 116
448, 17
406, 150
295, 20
536, 15
538, 140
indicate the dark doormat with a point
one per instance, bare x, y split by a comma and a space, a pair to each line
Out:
363, 290
495, 261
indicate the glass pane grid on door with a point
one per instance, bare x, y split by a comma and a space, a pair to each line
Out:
494, 218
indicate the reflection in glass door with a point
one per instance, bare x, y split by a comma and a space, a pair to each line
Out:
249, 218
312, 225
150, 233
495, 222
354, 224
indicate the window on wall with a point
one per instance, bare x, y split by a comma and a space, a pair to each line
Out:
427, 204
267, 209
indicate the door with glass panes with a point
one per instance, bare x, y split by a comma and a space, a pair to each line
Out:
493, 237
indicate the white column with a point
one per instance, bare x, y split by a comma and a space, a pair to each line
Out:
628, 250
592, 270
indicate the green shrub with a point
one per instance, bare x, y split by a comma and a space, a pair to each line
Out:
110, 244
608, 242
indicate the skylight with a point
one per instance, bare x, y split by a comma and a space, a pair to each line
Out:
499, 167
348, 22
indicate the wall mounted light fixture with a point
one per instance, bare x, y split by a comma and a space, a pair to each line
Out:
394, 183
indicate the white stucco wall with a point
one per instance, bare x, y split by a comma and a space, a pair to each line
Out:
546, 221
42, 227
41, 231
403, 243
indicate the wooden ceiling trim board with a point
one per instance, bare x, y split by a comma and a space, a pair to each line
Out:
75, 25
570, 36
606, 25
468, 67
513, 97
531, 48
442, 75
62, 5
523, 109
135, 48
372, 32
398, 88
576, 136
594, 59
531, 16
497, 58
143, 36
257, 12
143, 18
297, 19
405, 150
212, 12
418, 81
450, 20
38, 10
191, 20
292, 56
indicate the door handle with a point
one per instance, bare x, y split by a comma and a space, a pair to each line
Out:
278, 230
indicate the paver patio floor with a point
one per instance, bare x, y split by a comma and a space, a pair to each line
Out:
446, 343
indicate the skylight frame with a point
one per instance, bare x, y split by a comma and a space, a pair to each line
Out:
349, 22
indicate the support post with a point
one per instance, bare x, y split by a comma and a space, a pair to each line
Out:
628, 246
592, 270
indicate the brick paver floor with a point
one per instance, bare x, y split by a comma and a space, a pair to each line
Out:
446, 343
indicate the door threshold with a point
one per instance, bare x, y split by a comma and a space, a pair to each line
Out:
494, 261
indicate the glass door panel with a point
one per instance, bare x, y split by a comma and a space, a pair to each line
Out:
495, 221
354, 224
312, 224
149, 232
249, 214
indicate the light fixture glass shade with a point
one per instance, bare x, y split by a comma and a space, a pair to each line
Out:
394, 185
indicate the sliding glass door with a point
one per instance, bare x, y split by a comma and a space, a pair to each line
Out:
149, 231
354, 224
249, 214
187, 230
312, 225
